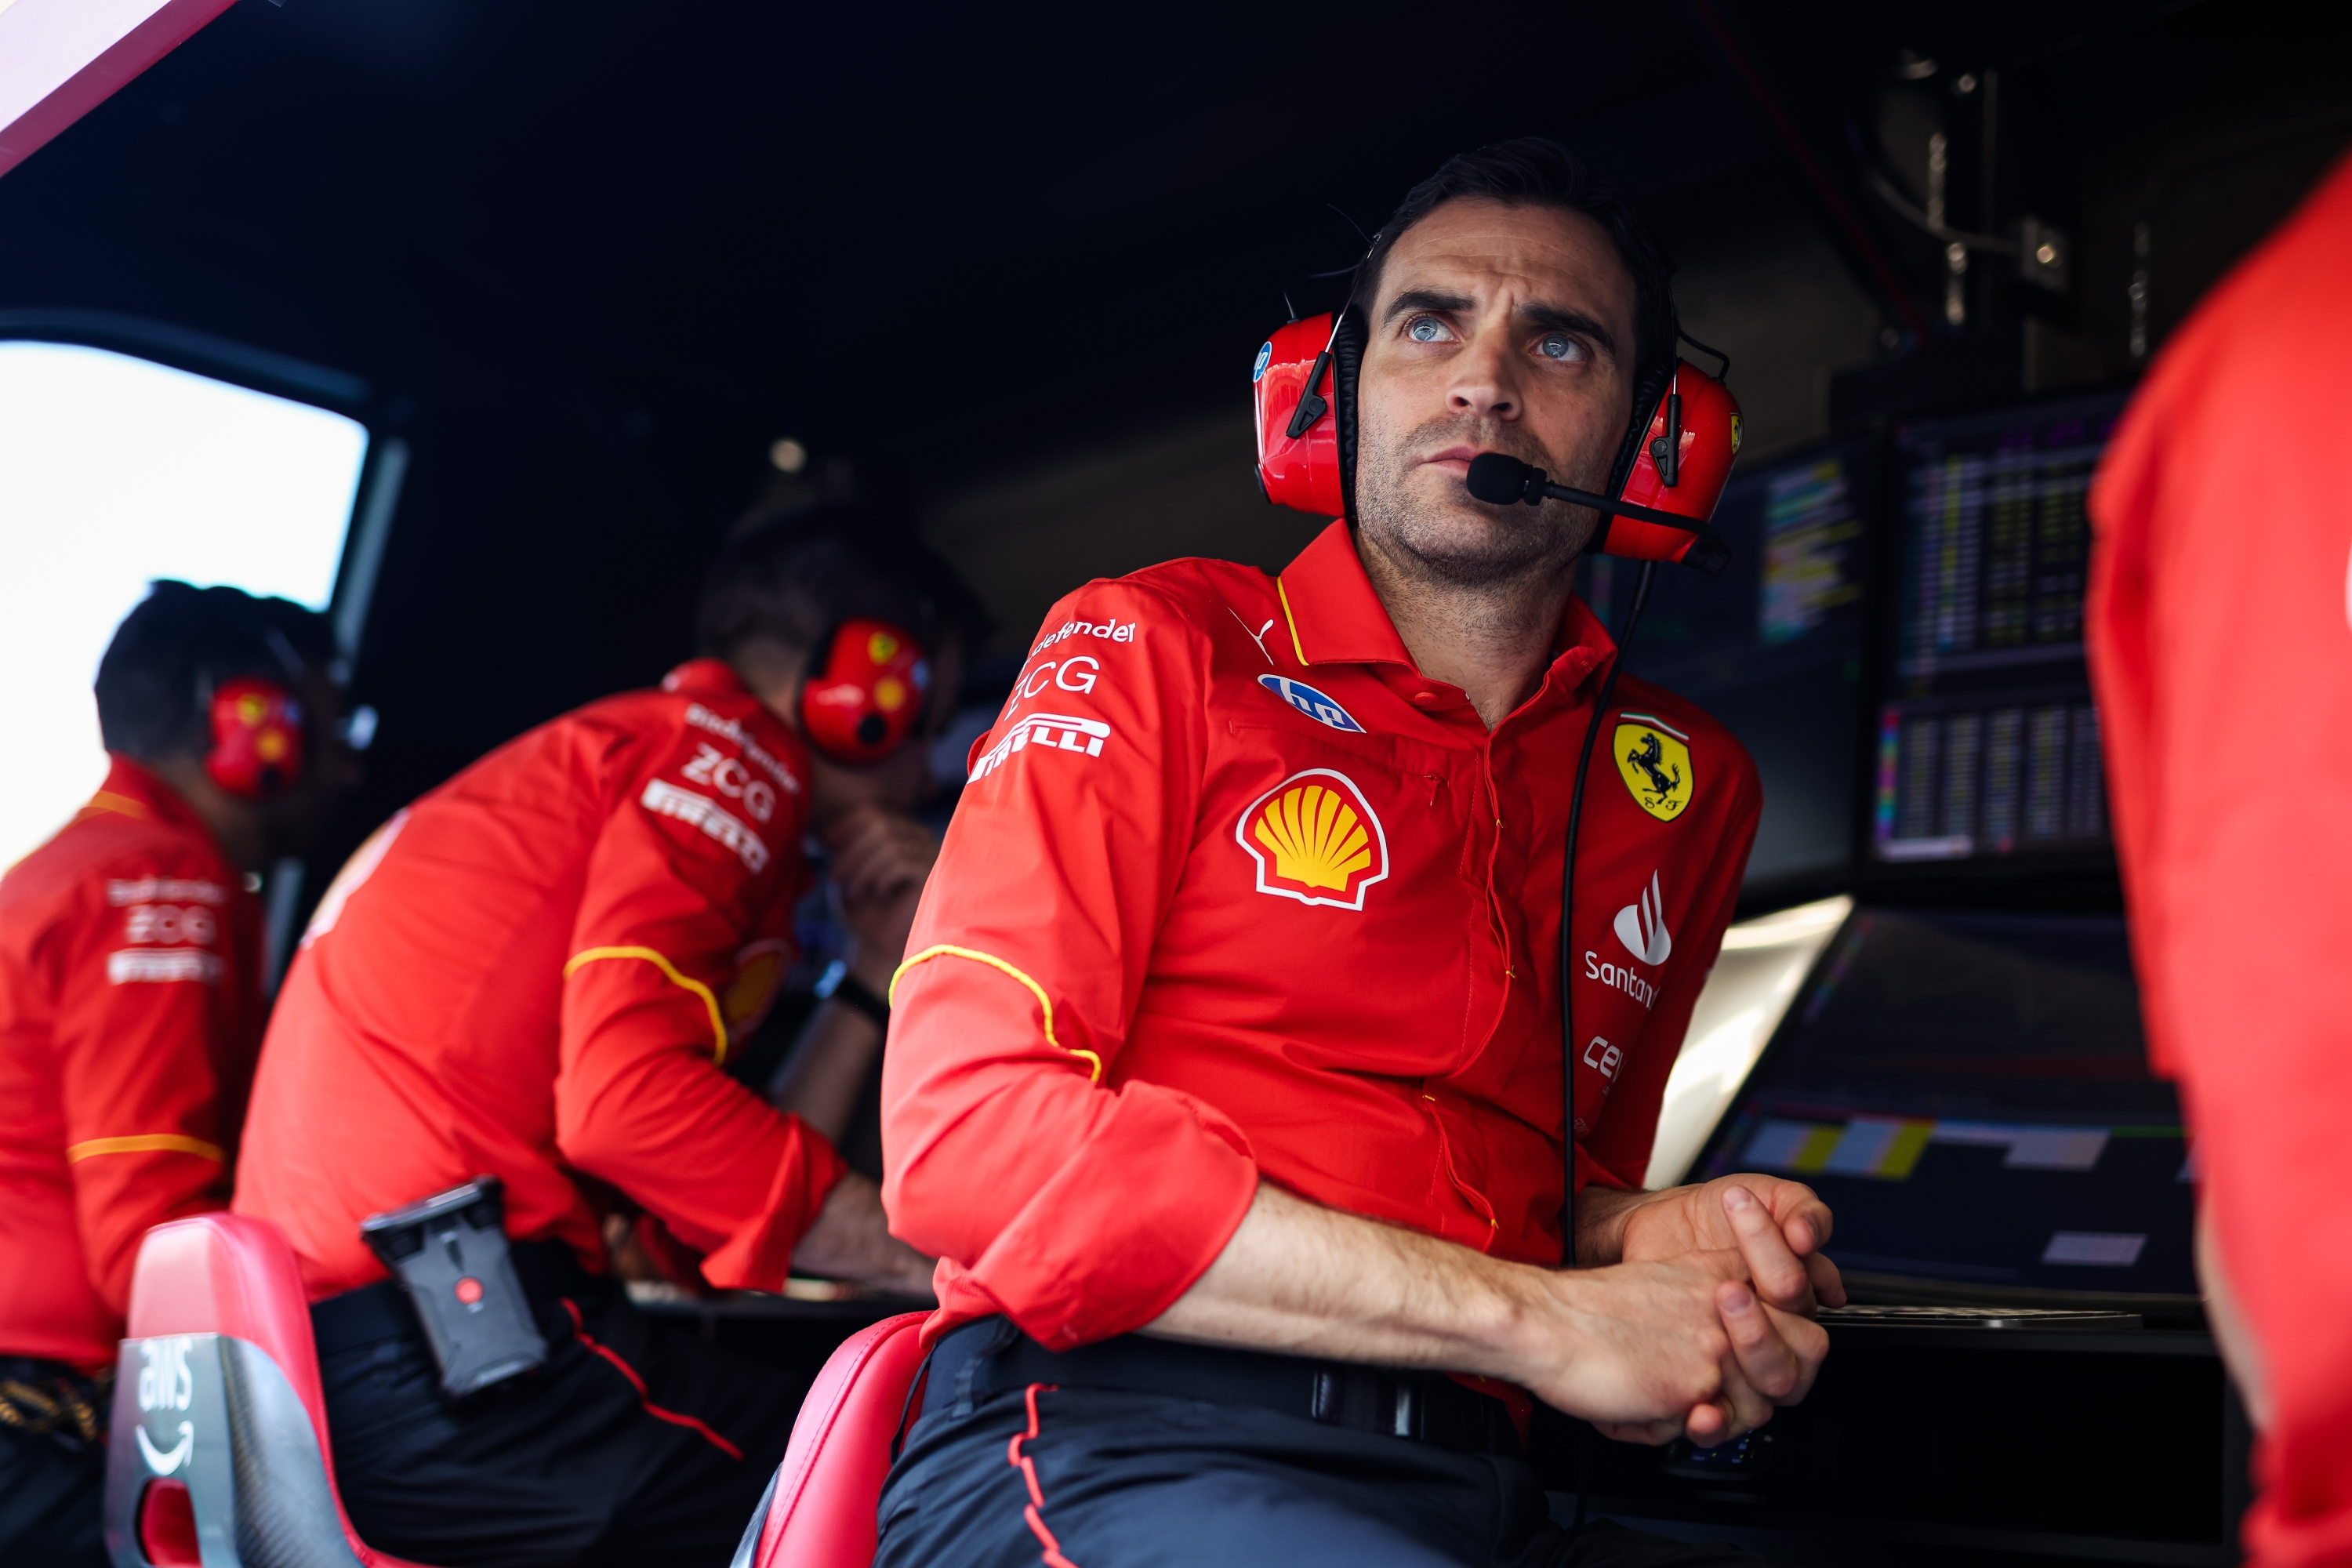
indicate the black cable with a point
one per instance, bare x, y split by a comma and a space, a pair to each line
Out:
1568, 918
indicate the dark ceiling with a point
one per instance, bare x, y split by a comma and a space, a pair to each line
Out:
592, 259
928, 235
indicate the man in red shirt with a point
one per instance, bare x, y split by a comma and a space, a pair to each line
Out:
537, 973
2223, 513
131, 1005
1226, 1075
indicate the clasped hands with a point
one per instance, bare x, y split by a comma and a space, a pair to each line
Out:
1708, 1294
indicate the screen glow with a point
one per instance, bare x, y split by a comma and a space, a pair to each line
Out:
113, 471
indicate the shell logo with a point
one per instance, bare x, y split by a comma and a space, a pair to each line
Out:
890, 693
1315, 838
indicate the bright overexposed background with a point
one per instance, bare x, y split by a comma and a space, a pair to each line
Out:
115, 470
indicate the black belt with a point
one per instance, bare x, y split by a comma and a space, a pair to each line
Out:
548, 1269
989, 1357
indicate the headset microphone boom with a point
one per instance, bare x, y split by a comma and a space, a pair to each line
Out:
1498, 479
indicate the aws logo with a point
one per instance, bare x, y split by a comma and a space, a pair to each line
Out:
1315, 838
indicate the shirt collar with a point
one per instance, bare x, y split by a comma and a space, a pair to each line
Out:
132, 789
1336, 616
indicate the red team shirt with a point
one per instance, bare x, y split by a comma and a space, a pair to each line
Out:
2220, 636
1234, 891
130, 1008
534, 973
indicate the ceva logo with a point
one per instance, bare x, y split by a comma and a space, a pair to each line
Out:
1641, 925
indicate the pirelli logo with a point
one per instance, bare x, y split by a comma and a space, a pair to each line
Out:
1046, 732
134, 964
177, 889
665, 799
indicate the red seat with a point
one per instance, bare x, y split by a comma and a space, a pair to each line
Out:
219, 1430
819, 1511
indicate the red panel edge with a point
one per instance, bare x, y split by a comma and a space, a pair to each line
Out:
96, 82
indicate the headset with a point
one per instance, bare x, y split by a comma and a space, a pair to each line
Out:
1670, 472
260, 736
867, 697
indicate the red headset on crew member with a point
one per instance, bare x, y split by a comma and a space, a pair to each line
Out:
1235, 1012
536, 973
131, 1006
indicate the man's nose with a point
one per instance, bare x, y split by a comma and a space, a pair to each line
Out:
1486, 381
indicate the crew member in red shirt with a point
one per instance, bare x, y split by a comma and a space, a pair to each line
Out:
2223, 513
1225, 1079
537, 973
131, 1005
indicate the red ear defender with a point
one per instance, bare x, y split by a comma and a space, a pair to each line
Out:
1683, 466
257, 740
867, 695
1298, 458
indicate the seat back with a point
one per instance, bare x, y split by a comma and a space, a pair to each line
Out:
217, 1392
819, 1511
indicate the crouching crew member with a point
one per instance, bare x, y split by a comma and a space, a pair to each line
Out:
1230, 1020
536, 973
131, 1006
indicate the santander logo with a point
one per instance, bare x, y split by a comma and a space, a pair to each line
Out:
1642, 926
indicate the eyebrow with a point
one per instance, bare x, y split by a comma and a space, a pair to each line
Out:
1548, 318
1425, 299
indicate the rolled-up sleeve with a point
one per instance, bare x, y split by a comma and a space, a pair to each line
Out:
1080, 1205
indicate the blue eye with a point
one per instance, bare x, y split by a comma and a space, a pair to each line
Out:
1425, 330
1560, 346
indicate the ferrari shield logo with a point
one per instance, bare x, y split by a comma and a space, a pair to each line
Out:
1655, 763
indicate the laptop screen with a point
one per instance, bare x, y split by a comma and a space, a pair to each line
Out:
1970, 1092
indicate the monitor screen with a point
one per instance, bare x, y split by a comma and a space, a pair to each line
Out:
1988, 743
1971, 1094
1773, 646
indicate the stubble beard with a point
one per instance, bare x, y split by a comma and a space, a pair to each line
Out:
1453, 541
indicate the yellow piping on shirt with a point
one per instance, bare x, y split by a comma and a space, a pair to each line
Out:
1282, 593
710, 1002
147, 1143
1045, 1007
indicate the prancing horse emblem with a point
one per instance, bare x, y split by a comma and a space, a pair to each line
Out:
1654, 758
1648, 757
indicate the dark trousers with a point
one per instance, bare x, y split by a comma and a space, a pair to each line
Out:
52, 1501
636, 1444
1100, 1478
52, 1463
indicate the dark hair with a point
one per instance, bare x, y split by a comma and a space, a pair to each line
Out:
1529, 171
154, 686
791, 578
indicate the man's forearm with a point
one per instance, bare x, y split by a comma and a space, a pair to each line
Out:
1308, 1281
1600, 1225
827, 1071
1647, 1351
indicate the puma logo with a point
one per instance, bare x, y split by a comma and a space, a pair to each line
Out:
1257, 637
